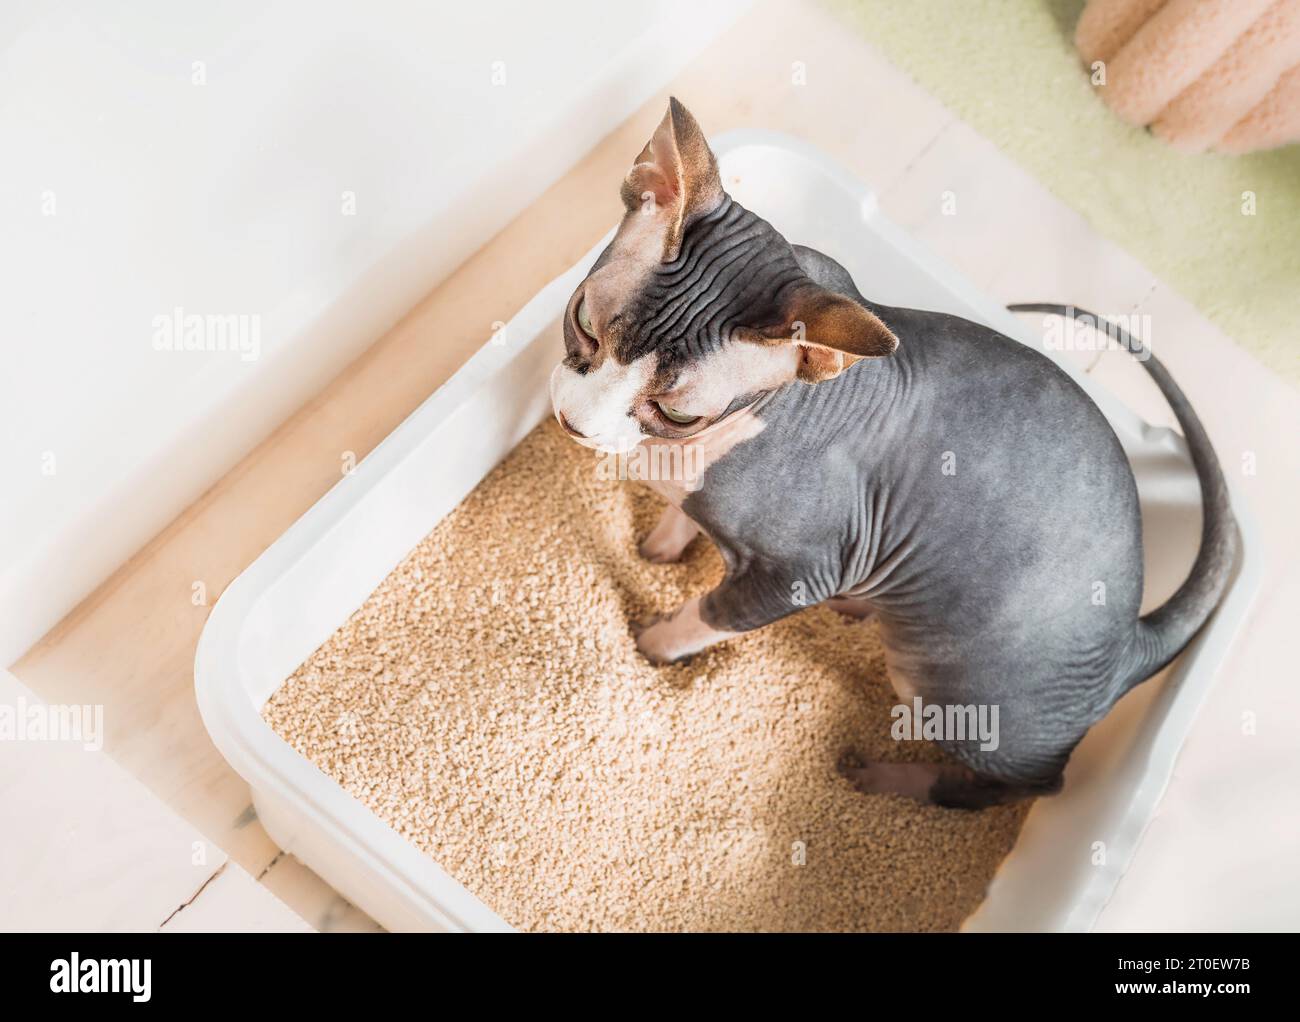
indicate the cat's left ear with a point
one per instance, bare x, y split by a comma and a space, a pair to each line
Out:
675, 178
830, 331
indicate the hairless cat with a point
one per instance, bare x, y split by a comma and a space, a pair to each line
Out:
950, 481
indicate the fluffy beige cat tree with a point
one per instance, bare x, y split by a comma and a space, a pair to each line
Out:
1204, 74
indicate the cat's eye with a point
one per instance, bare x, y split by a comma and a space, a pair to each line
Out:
673, 415
584, 320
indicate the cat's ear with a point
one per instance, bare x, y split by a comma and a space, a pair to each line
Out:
830, 331
675, 179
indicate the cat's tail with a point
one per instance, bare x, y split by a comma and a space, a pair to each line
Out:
1164, 632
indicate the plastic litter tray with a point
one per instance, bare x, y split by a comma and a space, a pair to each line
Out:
307, 584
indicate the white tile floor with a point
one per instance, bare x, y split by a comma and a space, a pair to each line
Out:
88, 847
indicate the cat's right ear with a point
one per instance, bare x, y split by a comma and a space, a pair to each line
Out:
830, 331
675, 179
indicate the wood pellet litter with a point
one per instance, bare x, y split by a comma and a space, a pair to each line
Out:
488, 702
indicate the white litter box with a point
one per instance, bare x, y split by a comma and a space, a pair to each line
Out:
1074, 848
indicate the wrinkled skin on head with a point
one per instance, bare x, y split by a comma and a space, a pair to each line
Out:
697, 306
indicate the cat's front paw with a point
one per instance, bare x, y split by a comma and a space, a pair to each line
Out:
668, 540
659, 641
659, 549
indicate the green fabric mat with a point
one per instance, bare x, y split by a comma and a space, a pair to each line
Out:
1009, 69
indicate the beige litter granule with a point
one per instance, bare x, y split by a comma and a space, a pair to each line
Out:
488, 702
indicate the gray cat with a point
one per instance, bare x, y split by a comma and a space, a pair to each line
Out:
912, 465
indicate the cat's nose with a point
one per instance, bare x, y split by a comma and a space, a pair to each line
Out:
569, 429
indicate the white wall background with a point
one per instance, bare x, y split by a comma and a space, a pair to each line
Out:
134, 180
